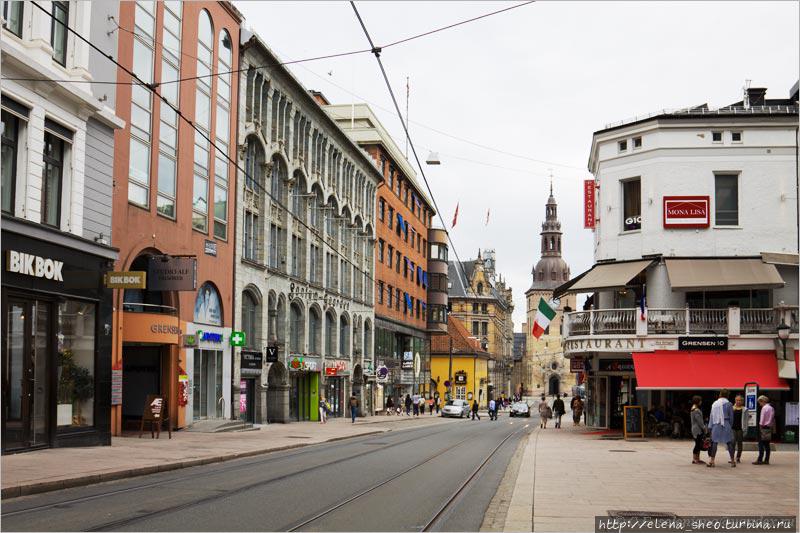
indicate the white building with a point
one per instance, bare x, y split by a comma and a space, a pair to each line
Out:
696, 250
304, 262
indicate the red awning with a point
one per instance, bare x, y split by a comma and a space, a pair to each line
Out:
707, 370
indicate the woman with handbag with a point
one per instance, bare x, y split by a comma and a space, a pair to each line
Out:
765, 423
698, 430
721, 423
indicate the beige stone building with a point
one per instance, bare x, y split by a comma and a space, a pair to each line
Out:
545, 369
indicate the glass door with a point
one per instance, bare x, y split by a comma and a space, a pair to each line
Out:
597, 402
26, 391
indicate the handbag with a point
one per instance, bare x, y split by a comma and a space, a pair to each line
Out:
765, 434
707, 442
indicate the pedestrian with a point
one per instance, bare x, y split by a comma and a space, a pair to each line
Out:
389, 406
765, 424
408, 405
438, 404
577, 409
558, 411
475, 410
492, 405
323, 411
721, 423
738, 432
353, 408
430, 406
699, 429
415, 403
544, 412
421, 405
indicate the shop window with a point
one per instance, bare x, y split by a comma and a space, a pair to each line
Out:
631, 204
726, 199
76, 353
208, 306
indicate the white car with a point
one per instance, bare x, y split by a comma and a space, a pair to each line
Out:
520, 409
458, 408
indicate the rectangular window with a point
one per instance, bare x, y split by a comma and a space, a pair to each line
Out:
631, 204
12, 13
8, 159
397, 299
390, 297
484, 328
381, 208
475, 308
273, 246
475, 328
76, 356
314, 264
637, 142
622, 146
53, 179
397, 262
250, 232
736, 136
484, 309
200, 203
381, 244
380, 292
391, 255
165, 202
726, 200
391, 218
297, 248
58, 31
716, 136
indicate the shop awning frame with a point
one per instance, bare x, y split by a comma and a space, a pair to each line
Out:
604, 276
722, 274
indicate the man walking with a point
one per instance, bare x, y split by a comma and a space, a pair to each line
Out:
765, 423
492, 412
353, 408
558, 410
475, 410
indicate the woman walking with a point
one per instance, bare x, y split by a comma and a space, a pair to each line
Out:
389, 406
577, 409
544, 413
698, 429
738, 432
558, 410
408, 405
721, 423
323, 411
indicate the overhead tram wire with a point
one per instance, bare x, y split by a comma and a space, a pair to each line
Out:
377, 52
151, 87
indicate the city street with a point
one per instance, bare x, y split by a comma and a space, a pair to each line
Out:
397, 481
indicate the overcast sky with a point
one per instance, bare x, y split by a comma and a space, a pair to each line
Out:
536, 81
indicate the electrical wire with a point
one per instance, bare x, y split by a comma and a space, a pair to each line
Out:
267, 193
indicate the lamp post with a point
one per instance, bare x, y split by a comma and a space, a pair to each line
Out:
783, 334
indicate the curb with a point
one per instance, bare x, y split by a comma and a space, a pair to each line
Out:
92, 479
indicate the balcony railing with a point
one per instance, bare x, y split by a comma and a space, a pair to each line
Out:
686, 321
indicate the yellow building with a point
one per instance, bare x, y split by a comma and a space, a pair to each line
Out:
546, 368
484, 306
470, 365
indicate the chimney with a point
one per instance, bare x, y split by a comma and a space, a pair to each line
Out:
321, 100
755, 96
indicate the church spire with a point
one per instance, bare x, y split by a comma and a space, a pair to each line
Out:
551, 228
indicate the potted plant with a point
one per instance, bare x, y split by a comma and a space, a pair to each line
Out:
64, 408
82, 390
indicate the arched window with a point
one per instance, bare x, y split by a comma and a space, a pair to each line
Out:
480, 288
202, 119
296, 329
314, 331
224, 63
278, 179
208, 305
344, 337
330, 335
367, 339
251, 320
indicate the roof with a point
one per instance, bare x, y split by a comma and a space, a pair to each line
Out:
462, 342
460, 283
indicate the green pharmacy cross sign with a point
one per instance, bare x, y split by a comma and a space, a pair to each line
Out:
237, 338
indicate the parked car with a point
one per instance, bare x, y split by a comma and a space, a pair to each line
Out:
458, 408
520, 409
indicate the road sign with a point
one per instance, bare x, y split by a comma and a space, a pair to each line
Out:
237, 338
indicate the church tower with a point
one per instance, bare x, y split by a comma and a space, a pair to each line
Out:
544, 367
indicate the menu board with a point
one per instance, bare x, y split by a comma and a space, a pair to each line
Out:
634, 421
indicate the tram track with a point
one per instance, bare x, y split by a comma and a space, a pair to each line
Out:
248, 463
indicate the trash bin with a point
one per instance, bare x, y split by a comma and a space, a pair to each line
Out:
790, 436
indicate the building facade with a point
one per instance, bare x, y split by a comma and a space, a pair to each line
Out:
696, 256
480, 300
460, 356
549, 370
304, 260
171, 210
57, 149
403, 218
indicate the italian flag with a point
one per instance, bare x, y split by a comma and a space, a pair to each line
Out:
544, 314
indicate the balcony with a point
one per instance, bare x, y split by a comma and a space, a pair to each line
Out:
732, 321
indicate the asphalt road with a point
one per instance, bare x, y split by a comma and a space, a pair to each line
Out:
396, 481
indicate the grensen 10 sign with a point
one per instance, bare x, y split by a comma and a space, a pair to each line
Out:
686, 212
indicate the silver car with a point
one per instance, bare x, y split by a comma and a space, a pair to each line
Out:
457, 408
520, 409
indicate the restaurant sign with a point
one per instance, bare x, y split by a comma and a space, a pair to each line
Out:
713, 344
686, 212
588, 204
608, 345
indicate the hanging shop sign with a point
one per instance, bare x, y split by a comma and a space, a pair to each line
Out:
408, 361
34, 265
703, 343
382, 375
576, 365
337, 367
588, 204
166, 273
368, 368
615, 365
189, 340
300, 363
461, 378
208, 336
272, 354
686, 212
125, 280
116, 384
238, 338
252, 360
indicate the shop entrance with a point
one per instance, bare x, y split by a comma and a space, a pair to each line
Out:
26, 388
141, 375
303, 387
335, 395
554, 386
620, 393
597, 402
207, 393
247, 393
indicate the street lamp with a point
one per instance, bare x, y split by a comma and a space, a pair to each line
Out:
433, 159
783, 335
